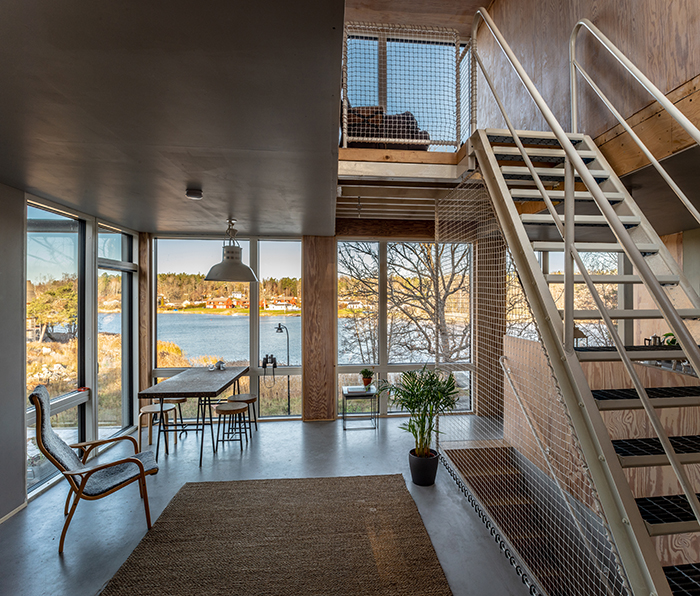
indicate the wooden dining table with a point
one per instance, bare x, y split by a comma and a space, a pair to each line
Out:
198, 382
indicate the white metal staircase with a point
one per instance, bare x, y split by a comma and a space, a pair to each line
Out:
586, 208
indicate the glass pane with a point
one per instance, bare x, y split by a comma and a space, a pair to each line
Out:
110, 352
199, 322
52, 301
362, 72
353, 406
411, 89
109, 244
280, 301
358, 302
280, 396
412, 271
39, 468
453, 306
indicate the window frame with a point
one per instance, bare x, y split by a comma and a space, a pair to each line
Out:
85, 396
255, 373
383, 368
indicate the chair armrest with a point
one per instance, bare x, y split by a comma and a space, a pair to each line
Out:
92, 444
92, 469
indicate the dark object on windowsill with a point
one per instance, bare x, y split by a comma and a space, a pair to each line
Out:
371, 122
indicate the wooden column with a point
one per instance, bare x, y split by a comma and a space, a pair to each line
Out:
146, 311
319, 313
489, 323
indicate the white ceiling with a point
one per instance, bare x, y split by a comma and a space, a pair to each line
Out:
115, 108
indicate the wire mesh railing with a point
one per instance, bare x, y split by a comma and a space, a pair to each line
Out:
518, 453
404, 87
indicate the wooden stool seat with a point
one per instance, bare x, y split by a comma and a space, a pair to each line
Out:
151, 410
235, 428
155, 408
250, 399
229, 408
246, 398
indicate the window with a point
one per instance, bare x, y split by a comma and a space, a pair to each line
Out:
280, 326
402, 305
53, 322
198, 321
358, 303
115, 333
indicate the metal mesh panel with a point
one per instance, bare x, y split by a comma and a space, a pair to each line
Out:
518, 454
400, 87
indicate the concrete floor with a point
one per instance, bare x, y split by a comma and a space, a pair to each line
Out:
103, 533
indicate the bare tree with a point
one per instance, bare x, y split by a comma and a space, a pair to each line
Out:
427, 299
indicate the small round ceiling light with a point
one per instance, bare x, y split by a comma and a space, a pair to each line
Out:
195, 194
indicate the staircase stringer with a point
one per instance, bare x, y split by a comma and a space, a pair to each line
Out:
645, 226
637, 553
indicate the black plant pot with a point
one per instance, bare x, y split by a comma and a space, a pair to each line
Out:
423, 469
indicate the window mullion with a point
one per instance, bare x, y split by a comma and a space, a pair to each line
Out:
383, 320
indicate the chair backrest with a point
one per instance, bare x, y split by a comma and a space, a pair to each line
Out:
50, 444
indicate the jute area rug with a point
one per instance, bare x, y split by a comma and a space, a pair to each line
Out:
312, 536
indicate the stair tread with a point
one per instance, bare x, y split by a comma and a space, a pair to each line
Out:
579, 220
558, 278
638, 313
652, 446
533, 194
558, 246
684, 580
528, 137
667, 509
652, 392
523, 173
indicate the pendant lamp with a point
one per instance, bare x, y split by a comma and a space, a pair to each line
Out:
231, 267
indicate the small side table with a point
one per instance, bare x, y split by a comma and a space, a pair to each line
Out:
368, 393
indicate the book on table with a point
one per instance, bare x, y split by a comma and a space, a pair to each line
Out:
357, 389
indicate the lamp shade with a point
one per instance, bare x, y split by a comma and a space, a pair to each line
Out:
231, 267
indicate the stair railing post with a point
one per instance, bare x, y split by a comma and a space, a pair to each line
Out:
569, 237
472, 95
345, 88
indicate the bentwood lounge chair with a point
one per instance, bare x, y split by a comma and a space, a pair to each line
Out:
89, 482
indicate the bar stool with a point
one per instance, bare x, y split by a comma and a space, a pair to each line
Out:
152, 410
249, 399
234, 428
178, 401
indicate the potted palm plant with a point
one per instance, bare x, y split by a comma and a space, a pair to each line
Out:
424, 394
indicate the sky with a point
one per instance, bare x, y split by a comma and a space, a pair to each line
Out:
50, 256
277, 258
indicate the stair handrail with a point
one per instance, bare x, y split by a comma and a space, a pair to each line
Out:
663, 302
655, 92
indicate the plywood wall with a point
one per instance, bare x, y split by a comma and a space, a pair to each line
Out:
659, 36
319, 314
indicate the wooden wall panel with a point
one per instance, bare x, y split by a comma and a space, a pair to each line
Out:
319, 314
532, 378
489, 319
660, 37
385, 228
146, 311
642, 299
